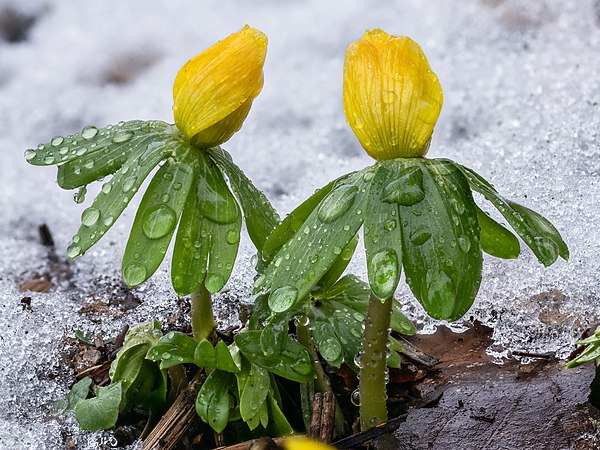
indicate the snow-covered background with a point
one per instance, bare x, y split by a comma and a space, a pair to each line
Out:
522, 106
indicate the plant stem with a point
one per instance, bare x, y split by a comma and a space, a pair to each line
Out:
373, 367
203, 321
322, 383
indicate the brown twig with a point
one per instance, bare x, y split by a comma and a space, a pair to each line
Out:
371, 433
323, 417
172, 426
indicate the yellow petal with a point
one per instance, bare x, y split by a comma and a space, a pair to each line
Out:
213, 92
392, 99
304, 444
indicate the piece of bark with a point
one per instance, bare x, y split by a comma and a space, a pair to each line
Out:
173, 425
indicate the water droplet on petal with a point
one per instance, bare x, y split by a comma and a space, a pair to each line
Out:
89, 132
283, 298
337, 203
158, 221
90, 216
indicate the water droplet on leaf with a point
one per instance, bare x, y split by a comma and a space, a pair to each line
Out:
283, 298
122, 136
134, 274
89, 132
159, 221
337, 203
90, 216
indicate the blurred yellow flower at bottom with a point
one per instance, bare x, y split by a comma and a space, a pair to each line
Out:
305, 444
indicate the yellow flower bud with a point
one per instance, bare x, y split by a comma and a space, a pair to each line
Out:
392, 99
298, 443
213, 92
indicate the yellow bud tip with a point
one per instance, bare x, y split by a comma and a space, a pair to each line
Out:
392, 98
298, 443
213, 91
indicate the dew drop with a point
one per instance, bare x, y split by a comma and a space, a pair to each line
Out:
90, 216
214, 282
109, 221
331, 349
283, 298
29, 154
407, 189
128, 184
49, 159
63, 151
464, 244
384, 273
389, 224
79, 196
158, 221
337, 203
355, 397
233, 236
73, 250
420, 235
106, 187
134, 274
56, 141
122, 136
388, 97
368, 175
89, 132
81, 151
337, 250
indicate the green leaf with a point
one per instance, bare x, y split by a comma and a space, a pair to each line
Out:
172, 349
279, 423
155, 221
78, 392
325, 337
495, 239
93, 141
275, 334
101, 412
440, 238
591, 353
116, 194
294, 361
213, 400
254, 393
305, 258
339, 265
218, 357
261, 217
293, 222
400, 323
382, 234
536, 231
208, 234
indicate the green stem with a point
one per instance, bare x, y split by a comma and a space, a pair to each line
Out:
373, 367
322, 383
179, 381
203, 321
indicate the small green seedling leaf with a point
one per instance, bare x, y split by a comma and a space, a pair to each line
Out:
213, 401
254, 393
536, 231
78, 392
495, 239
172, 349
440, 238
339, 265
102, 411
261, 217
294, 361
155, 221
217, 357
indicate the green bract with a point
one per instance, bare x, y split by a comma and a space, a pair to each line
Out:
416, 213
190, 188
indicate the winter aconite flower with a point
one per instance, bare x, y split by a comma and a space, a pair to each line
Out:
392, 99
213, 92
